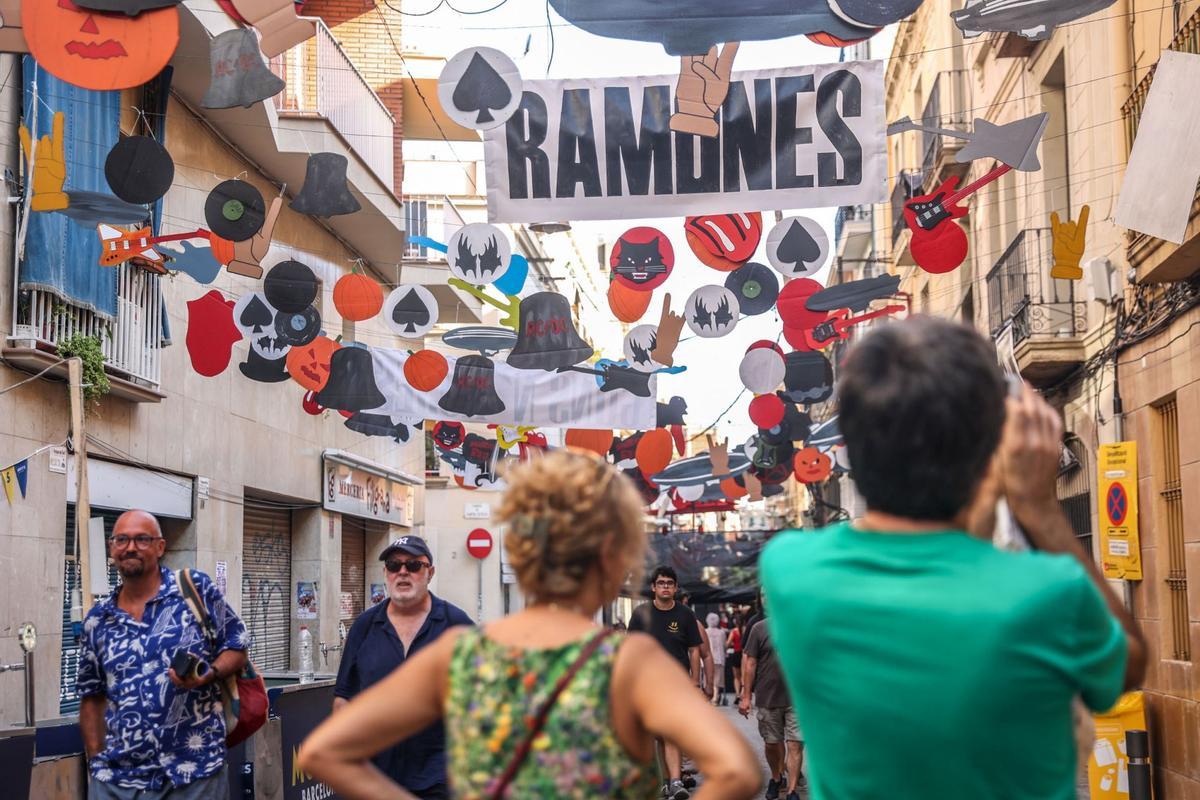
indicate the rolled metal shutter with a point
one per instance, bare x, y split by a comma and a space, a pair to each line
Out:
266, 583
68, 699
354, 553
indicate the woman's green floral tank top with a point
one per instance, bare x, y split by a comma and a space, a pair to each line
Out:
497, 690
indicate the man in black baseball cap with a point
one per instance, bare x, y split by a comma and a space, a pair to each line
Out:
382, 638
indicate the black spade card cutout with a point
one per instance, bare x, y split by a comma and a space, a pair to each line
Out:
410, 311
264, 370
798, 247
547, 338
325, 192
351, 385
235, 211
240, 77
128, 7
256, 315
290, 286
139, 169
481, 90
756, 287
472, 391
299, 327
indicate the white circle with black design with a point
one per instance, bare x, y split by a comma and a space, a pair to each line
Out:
480, 88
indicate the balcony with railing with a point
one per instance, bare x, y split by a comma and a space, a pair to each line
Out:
853, 228
1157, 260
321, 79
946, 108
1047, 322
131, 343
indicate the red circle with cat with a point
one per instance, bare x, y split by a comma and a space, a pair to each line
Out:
642, 259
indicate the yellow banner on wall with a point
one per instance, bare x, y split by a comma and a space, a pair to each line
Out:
1108, 764
1120, 548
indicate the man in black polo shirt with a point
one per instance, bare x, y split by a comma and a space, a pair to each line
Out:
381, 639
674, 626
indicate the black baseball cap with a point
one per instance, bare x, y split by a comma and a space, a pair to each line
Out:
411, 545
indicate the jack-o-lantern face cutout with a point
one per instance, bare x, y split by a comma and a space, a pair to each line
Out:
309, 364
811, 465
96, 50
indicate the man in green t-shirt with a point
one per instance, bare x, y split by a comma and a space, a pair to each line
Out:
923, 662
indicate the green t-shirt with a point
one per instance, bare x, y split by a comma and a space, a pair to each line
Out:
936, 667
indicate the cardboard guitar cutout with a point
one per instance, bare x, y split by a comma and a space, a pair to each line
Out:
99, 51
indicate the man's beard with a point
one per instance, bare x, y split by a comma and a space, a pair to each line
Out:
131, 567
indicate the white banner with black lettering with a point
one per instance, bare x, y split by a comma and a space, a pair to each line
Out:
602, 148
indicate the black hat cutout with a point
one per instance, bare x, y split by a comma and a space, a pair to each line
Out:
325, 193
235, 210
240, 77
290, 286
264, 370
808, 377
129, 7
351, 385
139, 169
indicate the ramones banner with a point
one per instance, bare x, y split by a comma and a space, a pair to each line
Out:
800, 137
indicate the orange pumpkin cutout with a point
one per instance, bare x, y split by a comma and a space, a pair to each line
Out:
309, 364
732, 489
811, 465
590, 439
653, 452
99, 51
357, 297
628, 305
425, 370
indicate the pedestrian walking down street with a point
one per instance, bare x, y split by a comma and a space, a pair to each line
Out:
911, 638
733, 657
716, 643
150, 733
544, 703
762, 681
384, 637
678, 632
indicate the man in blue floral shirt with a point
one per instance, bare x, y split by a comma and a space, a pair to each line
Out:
148, 732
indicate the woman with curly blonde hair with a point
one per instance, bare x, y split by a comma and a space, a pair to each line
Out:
545, 703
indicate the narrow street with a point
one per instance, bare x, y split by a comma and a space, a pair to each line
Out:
748, 727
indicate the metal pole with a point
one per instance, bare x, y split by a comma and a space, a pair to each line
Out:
1137, 748
479, 586
29, 715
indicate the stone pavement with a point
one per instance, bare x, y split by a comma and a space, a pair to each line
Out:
748, 727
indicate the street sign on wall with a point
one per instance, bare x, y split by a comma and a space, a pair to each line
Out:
1120, 549
479, 543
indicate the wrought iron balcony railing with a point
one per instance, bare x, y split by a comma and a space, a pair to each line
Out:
1021, 292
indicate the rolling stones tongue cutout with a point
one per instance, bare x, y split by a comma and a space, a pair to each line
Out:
642, 259
724, 241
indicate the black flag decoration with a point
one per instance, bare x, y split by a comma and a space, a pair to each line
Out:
480, 88
325, 192
139, 169
797, 247
410, 310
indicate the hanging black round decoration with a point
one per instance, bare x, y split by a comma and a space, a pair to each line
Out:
139, 170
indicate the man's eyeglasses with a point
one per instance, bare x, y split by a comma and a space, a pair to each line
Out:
141, 541
665, 584
413, 567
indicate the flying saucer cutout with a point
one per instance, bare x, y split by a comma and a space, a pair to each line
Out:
235, 210
478, 253
712, 311
480, 88
761, 370
697, 470
642, 259
410, 311
1035, 20
239, 75
639, 342
756, 288
480, 339
139, 169
290, 286
724, 241
298, 328
797, 247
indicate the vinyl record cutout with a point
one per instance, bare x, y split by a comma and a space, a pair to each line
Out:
139, 169
711, 311
290, 286
410, 311
480, 88
756, 287
235, 210
299, 327
798, 247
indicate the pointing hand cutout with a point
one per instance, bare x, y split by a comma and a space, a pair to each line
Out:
666, 338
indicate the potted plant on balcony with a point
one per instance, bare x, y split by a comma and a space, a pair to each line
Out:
95, 379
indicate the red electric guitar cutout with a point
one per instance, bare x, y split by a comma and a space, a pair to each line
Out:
938, 247
837, 327
118, 246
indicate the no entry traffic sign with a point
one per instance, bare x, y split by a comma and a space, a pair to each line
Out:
479, 543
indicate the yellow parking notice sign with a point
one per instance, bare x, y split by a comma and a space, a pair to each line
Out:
1120, 550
